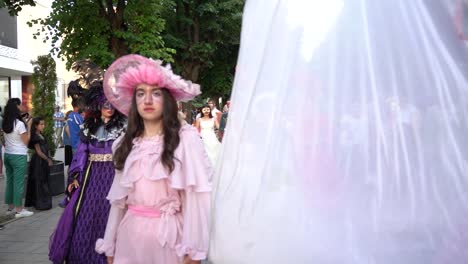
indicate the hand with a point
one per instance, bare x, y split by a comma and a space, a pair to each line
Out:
188, 260
29, 123
50, 162
72, 186
110, 260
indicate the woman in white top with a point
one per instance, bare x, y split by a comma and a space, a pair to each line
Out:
16, 140
206, 126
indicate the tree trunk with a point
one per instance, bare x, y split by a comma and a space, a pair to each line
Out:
118, 47
115, 17
191, 70
195, 72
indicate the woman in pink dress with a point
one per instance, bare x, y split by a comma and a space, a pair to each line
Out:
160, 196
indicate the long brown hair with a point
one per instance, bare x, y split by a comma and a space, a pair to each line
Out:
135, 128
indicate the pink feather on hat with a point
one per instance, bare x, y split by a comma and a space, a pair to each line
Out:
127, 72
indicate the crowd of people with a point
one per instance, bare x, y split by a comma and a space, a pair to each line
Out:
22, 135
342, 168
135, 164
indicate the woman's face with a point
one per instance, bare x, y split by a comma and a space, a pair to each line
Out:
206, 111
211, 104
107, 110
149, 100
40, 127
20, 107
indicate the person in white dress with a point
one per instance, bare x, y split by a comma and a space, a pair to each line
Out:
206, 125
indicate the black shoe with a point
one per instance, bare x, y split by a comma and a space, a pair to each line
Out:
63, 203
2, 227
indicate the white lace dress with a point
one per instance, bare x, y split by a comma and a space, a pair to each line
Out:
212, 145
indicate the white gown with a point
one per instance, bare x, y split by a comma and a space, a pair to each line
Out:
212, 144
347, 136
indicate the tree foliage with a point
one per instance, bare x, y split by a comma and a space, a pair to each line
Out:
200, 37
104, 30
15, 6
43, 98
206, 36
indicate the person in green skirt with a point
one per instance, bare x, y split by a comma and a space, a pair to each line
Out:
15, 159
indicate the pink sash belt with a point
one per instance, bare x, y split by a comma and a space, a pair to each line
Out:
144, 211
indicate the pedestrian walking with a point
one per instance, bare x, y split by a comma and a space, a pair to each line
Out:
222, 125
91, 174
226, 106
163, 174
207, 125
74, 122
214, 111
59, 122
73, 127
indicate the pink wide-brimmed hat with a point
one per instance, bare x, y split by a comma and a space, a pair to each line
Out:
127, 72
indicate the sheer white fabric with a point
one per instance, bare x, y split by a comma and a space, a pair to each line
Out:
347, 136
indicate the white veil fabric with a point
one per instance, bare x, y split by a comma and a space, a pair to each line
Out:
347, 139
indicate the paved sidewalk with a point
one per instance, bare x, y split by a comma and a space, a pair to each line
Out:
26, 240
59, 155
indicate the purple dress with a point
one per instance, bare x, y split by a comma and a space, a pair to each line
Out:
84, 219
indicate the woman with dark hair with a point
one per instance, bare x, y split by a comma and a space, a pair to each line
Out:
161, 192
91, 175
16, 140
206, 125
37, 191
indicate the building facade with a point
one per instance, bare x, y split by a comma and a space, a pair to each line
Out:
18, 48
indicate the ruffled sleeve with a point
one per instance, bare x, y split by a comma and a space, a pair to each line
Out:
196, 222
193, 170
193, 176
106, 245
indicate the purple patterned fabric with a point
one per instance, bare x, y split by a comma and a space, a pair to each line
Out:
59, 242
80, 158
90, 211
90, 223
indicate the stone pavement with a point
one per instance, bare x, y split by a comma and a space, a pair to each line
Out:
59, 155
26, 240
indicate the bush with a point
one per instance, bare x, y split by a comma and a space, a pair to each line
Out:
43, 98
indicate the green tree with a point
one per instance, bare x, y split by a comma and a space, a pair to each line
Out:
104, 30
43, 98
206, 36
15, 6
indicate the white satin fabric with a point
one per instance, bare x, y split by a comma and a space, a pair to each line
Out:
347, 139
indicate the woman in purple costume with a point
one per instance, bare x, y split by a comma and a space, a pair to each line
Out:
90, 178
